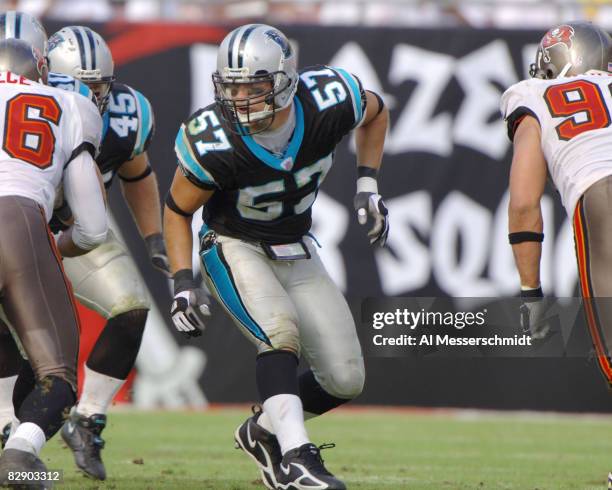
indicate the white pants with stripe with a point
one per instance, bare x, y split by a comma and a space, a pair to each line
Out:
290, 305
107, 279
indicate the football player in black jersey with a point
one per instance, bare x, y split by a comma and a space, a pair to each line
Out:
108, 280
256, 158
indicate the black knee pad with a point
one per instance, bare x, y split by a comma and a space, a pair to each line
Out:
115, 351
48, 404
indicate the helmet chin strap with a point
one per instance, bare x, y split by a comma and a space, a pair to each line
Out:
565, 69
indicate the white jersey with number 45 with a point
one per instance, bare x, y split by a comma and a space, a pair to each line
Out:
42, 130
574, 116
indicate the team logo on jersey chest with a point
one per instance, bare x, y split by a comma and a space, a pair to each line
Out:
559, 36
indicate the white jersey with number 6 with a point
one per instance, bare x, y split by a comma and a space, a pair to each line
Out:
574, 116
43, 129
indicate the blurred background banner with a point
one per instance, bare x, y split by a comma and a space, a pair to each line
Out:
444, 179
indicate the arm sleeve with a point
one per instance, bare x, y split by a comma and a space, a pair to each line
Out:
146, 124
83, 192
190, 165
354, 106
86, 128
515, 105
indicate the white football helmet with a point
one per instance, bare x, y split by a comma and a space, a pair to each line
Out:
18, 25
82, 53
254, 54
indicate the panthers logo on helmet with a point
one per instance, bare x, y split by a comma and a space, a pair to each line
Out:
285, 46
54, 41
561, 35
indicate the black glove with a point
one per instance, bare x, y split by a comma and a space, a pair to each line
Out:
368, 204
157, 253
533, 309
188, 311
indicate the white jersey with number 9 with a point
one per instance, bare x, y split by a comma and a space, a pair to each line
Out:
574, 116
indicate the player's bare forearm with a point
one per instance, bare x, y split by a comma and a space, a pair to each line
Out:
527, 254
141, 195
370, 136
187, 199
67, 247
142, 198
179, 240
527, 181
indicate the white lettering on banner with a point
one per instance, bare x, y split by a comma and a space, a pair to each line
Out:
351, 55
475, 72
409, 267
417, 129
502, 269
461, 221
412, 258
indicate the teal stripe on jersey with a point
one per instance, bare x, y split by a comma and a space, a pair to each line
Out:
146, 122
187, 161
356, 93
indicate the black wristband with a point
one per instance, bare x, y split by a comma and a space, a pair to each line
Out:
525, 236
363, 171
532, 293
174, 206
155, 244
183, 280
148, 171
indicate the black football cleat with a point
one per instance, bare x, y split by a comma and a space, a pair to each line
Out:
82, 435
261, 445
4, 435
302, 469
21, 462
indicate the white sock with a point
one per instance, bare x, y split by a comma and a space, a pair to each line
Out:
6, 400
286, 415
98, 393
28, 437
264, 421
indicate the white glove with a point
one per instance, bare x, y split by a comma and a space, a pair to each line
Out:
188, 311
368, 204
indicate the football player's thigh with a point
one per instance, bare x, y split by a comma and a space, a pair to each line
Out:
37, 299
598, 226
240, 276
327, 330
107, 279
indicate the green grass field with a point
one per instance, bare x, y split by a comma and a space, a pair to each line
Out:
374, 450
